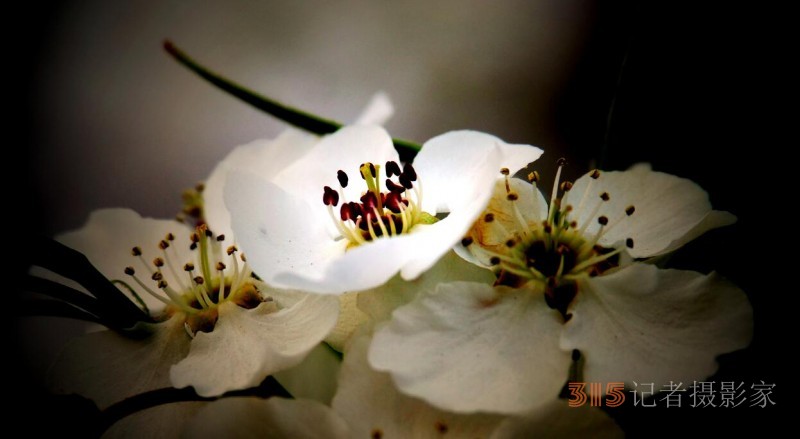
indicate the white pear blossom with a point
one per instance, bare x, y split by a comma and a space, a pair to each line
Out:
568, 285
221, 328
367, 405
345, 216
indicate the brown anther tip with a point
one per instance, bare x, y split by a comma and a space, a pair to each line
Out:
163, 245
629, 243
372, 170
604, 196
629, 210
130, 271
136, 251
392, 168
409, 172
561, 162
603, 220
512, 196
188, 267
547, 227
533, 177
568, 208
243, 258
595, 174
170, 237
157, 276
200, 186
574, 224
504, 171
220, 238
489, 217
193, 246
494, 260
231, 250
566, 186
466, 242
342, 177
195, 237
209, 234
330, 197
511, 243
162, 284
158, 262
220, 266
199, 280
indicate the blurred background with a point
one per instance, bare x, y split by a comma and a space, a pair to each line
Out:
103, 117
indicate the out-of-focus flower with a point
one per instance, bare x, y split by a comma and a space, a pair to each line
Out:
345, 216
368, 405
470, 347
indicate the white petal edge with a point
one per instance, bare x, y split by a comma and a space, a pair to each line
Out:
468, 347
370, 404
248, 345
650, 325
108, 237
669, 210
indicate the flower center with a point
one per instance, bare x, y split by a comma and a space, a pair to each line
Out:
206, 282
378, 213
552, 254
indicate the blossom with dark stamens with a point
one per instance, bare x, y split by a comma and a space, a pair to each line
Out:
390, 224
569, 277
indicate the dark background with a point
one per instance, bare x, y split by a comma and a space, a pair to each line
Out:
695, 98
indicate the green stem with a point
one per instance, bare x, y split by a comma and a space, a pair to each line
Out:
301, 119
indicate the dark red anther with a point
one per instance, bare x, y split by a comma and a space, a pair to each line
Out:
342, 178
346, 212
356, 209
394, 187
369, 201
393, 202
330, 197
392, 168
409, 172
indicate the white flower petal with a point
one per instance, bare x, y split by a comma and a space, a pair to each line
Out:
525, 213
379, 302
558, 420
271, 418
277, 231
260, 156
369, 402
469, 347
650, 325
343, 150
668, 209
248, 345
110, 234
269, 157
108, 367
457, 167
379, 110
166, 420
